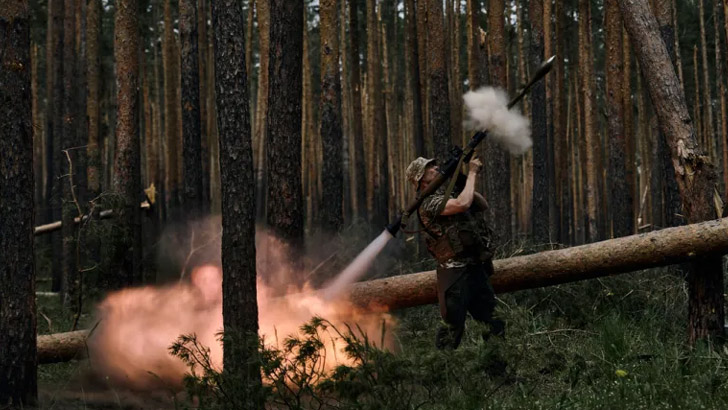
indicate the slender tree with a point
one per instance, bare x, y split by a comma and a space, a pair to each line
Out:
497, 160
620, 197
285, 205
439, 114
413, 76
18, 357
695, 175
93, 114
69, 144
261, 127
126, 183
540, 215
54, 129
357, 115
707, 103
590, 136
171, 111
331, 134
191, 132
240, 305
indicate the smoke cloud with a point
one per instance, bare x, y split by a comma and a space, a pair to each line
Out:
488, 110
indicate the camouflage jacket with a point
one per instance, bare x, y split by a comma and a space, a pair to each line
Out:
454, 240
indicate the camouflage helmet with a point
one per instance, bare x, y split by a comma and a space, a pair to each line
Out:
416, 169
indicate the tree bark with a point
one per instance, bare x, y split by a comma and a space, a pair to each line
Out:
439, 112
18, 357
69, 274
614, 256
62, 347
620, 198
330, 109
93, 78
497, 160
413, 75
590, 133
171, 117
205, 137
695, 175
191, 133
126, 182
540, 215
357, 115
707, 104
285, 205
260, 136
240, 306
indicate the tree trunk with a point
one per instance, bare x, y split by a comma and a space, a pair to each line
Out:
378, 176
421, 17
590, 133
240, 306
191, 134
285, 205
560, 131
171, 118
707, 104
439, 112
62, 347
18, 357
260, 137
37, 121
626, 254
413, 76
540, 202
126, 182
69, 275
330, 108
357, 114
620, 197
694, 173
497, 160
204, 140
93, 78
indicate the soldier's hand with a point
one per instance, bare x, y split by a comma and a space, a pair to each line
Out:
474, 166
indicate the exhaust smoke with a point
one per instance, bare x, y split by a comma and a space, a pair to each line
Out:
488, 110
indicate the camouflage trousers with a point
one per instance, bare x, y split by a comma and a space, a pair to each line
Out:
462, 290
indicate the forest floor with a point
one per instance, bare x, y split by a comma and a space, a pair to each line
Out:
610, 343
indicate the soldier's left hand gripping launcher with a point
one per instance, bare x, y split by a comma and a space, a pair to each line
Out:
460, 156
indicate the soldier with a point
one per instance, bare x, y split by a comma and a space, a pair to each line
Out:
459, 240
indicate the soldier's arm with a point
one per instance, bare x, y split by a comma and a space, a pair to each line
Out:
465, 199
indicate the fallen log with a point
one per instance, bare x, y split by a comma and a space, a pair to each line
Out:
62, 347
105, 214
627, 254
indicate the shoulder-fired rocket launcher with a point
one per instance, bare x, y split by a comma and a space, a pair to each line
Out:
459, 156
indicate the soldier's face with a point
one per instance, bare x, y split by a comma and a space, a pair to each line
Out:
430, 174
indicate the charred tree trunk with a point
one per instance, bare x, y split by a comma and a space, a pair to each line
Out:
191, 134
240, 306
330, 109
695, 175
620, 198
497, 160
285, 205
540, 214
126, 259
18, 357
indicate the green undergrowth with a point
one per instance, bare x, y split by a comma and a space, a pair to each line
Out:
610, 343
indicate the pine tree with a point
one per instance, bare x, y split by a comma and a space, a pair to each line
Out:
18, 359
240, 306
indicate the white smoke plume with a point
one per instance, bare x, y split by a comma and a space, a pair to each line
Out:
488, 110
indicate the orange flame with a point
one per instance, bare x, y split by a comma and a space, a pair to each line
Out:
136, 327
